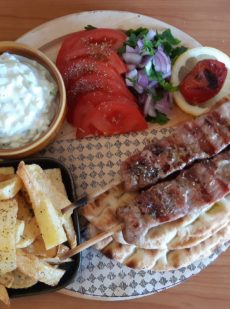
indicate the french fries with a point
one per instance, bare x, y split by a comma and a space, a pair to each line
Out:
8, 216
10, 187
32, 227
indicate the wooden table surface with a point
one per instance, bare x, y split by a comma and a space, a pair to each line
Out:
208, 21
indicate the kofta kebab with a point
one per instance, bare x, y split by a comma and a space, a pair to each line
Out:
182, 175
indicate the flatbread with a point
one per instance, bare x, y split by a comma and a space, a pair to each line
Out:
187, 231
182, 233
161, 260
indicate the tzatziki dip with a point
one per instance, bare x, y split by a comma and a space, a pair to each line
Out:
27, 94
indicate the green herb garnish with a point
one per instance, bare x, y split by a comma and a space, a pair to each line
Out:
154, 75
166, 36
140, 32
159, 118
176, 52
134, 36
148, 47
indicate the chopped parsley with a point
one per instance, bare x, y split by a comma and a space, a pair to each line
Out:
159, 118
166, 85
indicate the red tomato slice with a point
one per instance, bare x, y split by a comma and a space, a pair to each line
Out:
92, 99
107, 118
100, 44
107, 81
204, 81
76, 68
96, 97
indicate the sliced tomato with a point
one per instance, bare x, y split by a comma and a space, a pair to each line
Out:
105, 81
99, 44
107, 118
204, 81
93, 99
99, 96
77, 67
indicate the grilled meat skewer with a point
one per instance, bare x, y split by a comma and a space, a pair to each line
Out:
200, 138
194, 189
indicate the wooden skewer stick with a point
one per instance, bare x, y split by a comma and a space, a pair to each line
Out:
91, 242
79, 203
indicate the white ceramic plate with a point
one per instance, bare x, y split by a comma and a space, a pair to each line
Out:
94, 162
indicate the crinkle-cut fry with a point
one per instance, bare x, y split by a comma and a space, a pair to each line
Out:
4, 297
9, 188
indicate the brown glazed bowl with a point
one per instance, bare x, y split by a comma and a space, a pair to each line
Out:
47, 137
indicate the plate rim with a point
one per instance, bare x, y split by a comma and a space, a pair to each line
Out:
28, 36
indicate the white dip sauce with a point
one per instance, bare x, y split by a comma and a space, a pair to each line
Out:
27, 92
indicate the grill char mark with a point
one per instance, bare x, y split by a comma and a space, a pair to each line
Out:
193, 189
193, 140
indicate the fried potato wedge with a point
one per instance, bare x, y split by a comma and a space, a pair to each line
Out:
21, 281
33, 267
38, 248
19, 230
42, 183
31, 232
7, 279
25, 211
70, 231
48, 217
4, 297
10, 187
8, 216
55, 177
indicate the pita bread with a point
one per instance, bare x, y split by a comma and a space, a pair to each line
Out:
181, 233
187, 231
165, 259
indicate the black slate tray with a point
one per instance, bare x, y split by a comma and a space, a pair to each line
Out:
71, 267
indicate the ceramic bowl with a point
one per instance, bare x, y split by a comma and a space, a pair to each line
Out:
60, 110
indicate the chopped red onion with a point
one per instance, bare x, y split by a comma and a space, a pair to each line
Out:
140, 44
142, 79
141, 99
148, 107
161, 62
164, 105
131, 77
150, 35
130, 49
152, 84
131, 67
132, 74
132, 58
138, 88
